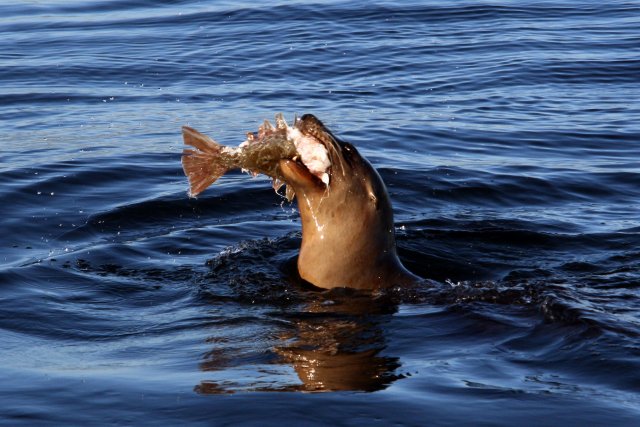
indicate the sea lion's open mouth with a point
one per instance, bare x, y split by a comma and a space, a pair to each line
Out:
338, 152
321, 152
319, 155
314, 150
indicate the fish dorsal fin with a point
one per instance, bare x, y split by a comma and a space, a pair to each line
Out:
199, 140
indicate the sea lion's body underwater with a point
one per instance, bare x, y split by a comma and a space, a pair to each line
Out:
348, 237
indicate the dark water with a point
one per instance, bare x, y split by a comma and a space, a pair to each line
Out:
508, 134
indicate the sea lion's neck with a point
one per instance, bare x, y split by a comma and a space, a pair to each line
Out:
340, 249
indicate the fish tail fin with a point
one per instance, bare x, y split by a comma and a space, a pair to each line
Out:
201, 166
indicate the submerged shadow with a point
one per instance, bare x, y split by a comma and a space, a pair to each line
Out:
338, 345
333, 343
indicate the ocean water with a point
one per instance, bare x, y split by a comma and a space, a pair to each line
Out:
507, 132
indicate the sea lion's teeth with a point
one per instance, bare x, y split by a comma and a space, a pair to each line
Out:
295, 158
325, 178
277, 184
290, 193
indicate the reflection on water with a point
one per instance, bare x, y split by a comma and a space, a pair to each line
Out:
335, 344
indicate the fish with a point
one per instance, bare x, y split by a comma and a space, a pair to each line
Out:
259, 153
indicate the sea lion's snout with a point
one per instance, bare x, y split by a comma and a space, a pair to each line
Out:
340, 153
309, 124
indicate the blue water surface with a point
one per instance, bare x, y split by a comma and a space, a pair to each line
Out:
508, 135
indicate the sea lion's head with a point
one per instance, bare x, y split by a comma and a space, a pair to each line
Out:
347, 219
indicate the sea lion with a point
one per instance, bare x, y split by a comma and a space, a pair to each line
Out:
347, 220
348, 237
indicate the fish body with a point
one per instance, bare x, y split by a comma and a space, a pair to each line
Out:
260, 153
